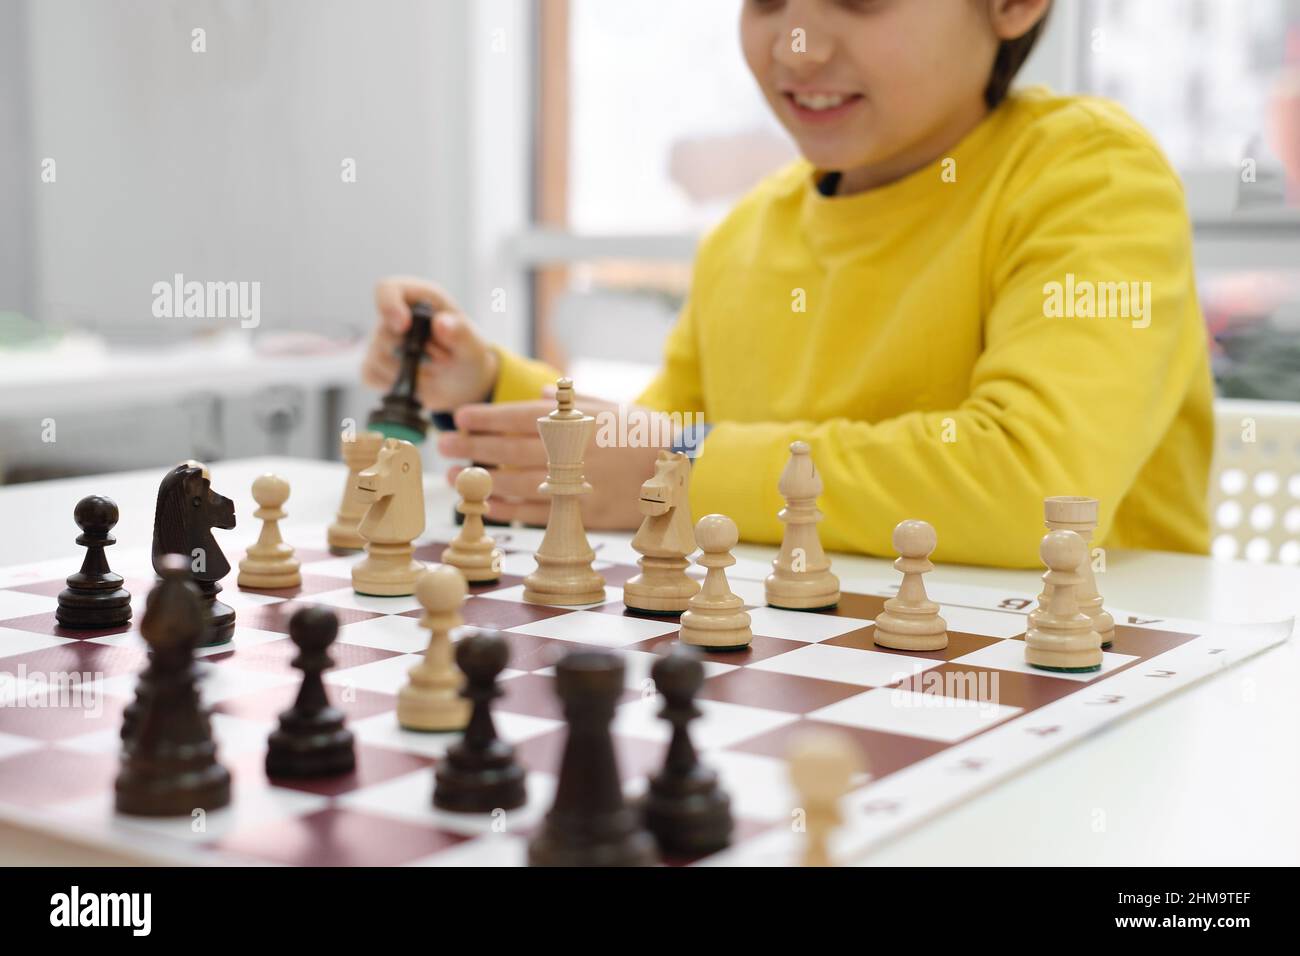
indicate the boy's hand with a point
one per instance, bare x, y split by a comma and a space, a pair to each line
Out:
461, 367
503, 438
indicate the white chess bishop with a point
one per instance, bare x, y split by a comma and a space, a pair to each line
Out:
801, 578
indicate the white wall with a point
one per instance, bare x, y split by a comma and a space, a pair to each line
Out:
226, 164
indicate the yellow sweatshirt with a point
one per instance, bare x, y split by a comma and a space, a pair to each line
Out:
1017, 320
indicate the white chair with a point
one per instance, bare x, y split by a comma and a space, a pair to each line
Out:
1255, 481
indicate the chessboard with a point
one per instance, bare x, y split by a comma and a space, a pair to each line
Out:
934, 727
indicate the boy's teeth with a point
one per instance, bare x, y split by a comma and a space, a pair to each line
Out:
819, 101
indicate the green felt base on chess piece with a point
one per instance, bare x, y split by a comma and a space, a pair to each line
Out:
808, 610
1068, 670
395, 430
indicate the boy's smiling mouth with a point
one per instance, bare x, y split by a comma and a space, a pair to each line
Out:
820, 106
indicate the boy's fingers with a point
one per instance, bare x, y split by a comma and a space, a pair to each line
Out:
503, 418
526, 512
514, 484
517, 451
395, 294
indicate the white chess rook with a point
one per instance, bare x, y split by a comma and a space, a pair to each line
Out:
801, 578
911, 621
359, 453
564, 574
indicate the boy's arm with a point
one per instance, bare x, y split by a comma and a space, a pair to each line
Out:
1056, 405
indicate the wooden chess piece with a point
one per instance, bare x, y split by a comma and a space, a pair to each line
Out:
359, 453
801, 577
270, 563
1062, 637
400, 414
187, 511
665, 541
822, 767
1072, 513
479, 773
685, 809
911, 621
311, 740
431, 699
564, 574
716, 618
473, 551
94, 597
589, 823
169, 762
394, 485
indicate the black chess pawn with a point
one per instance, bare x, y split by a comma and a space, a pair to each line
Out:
590, 824
94, 597
685, 809
169, 763
311, 740
479, 773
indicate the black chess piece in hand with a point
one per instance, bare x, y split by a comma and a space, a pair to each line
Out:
169, 762
685, 809
590, 824
479, 773
311, 740
94, 597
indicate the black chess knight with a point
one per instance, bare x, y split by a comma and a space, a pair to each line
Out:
188, 509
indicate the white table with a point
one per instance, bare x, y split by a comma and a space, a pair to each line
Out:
1209, 776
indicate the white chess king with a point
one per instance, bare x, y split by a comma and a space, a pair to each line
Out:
564, 573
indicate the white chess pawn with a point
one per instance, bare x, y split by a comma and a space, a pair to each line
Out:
1073, 513
431, 699
801, 578
270, 563
822, 766
716, 618
473, 552
1061, 637
911, 621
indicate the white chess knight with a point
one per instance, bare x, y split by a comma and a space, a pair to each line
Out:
394, 486
801, 578
664, 540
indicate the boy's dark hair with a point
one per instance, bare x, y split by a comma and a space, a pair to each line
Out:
1012, 55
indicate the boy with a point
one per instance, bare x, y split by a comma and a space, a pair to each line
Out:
998, 305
